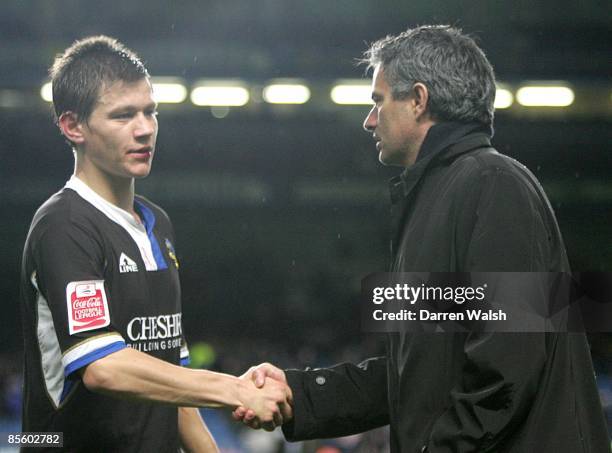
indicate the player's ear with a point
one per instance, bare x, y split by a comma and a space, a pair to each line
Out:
420, 99
71, 127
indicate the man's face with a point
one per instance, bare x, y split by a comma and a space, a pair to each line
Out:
119, 137
393, 124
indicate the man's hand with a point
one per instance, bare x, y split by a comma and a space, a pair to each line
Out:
268, 405
258, 375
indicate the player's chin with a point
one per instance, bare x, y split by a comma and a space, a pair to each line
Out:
388, 159
384, 158
140, 171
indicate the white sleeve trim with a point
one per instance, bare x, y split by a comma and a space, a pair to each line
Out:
88, 346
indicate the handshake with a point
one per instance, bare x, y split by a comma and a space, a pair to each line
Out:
266, 398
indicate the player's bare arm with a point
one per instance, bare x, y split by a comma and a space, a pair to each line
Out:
132, 374
194, 434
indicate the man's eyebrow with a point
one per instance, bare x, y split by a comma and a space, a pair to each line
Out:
123, 108
133, 108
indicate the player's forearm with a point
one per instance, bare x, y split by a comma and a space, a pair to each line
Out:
133, 374
195, 437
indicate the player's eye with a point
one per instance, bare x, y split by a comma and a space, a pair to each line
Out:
122, 115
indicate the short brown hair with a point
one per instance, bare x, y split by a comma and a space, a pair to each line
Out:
79, 73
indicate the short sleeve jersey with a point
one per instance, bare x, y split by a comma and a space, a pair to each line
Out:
94, 280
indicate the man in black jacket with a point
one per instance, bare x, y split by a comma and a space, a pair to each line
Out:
459, 206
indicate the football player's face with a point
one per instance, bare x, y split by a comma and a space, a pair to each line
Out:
119, 136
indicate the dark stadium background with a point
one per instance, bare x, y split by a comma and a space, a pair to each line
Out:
281, 210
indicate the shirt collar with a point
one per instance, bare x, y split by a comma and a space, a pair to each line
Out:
91, 196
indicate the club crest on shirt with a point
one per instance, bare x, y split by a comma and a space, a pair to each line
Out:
87, 306
172, 253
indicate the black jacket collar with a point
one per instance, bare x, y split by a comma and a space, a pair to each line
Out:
443, 141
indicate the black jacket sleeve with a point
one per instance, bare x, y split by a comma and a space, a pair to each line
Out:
338, 401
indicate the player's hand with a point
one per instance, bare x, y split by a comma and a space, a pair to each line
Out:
267, 405
258, 375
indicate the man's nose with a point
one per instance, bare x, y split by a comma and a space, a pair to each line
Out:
145, 126
371, 120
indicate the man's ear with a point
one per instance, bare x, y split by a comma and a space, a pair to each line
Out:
71, 127
420, 100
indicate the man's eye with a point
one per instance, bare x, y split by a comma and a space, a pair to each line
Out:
152, 113
125, 115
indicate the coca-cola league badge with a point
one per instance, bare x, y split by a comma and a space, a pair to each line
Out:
87, 306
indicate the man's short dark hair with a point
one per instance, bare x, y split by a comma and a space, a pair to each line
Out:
78, 74
459, 78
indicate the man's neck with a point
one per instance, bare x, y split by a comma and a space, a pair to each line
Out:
441, 135
116, 190
413, 154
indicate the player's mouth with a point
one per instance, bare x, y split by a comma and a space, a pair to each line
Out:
143, 153
378, 143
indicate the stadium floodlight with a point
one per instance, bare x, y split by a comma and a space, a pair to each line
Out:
168, 90
286, 92
503, 97
545, 95
352, 92
46, 92
222, 93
